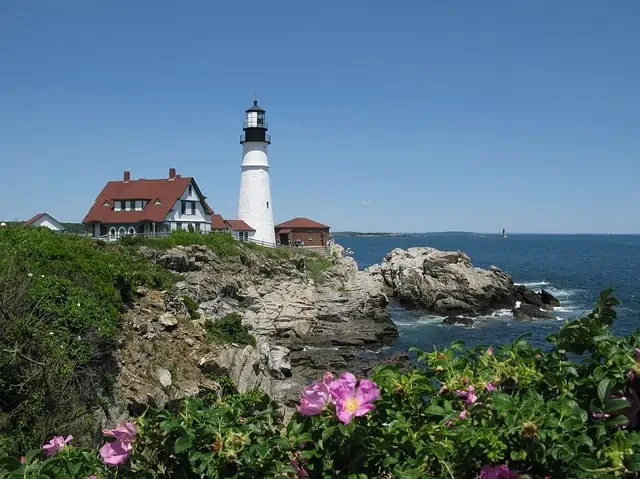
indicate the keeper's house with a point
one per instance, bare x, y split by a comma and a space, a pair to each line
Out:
149, 206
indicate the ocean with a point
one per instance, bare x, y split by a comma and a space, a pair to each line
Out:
574, 268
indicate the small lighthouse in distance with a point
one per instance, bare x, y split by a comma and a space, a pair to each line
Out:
254, 202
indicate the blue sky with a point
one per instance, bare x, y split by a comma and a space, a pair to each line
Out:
385, 116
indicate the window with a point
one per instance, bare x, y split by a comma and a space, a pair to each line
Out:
198, 227
179, 226
112, 232
183, 207
188, 207
132, 230
243, 235
138, 205
121, 232
190, 189
267, 205
193, 207
128, 206
117, 205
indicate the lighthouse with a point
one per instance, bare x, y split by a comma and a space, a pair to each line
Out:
254, 202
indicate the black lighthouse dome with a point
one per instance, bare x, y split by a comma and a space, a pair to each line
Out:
255, 125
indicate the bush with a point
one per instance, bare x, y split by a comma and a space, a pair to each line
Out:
60, 300
192, 307
229, 329
222, 244
316, 266
515, 411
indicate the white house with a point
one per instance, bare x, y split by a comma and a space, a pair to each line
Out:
46, 220
149, 206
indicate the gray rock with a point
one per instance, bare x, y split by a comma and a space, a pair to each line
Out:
168, 321
164, 377
530, 311
548, 299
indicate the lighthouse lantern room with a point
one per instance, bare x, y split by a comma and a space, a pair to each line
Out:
254, 202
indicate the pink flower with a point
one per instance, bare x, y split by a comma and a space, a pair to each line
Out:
469, 395
117, 452
352, 400
124, 432
315, 397
23, 459
497, 472
298, 469
490, 350
91, 477
600, 415
491, 387
55, 444
463, 414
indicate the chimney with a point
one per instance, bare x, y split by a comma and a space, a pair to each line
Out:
127, 176
172, 173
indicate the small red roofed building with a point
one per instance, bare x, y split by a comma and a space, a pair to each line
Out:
302, 231
46, 220
241, 230
149, 206
217, 224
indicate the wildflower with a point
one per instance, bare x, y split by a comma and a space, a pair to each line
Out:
30, 275
463, 414
315, 397
298, 469
490, 387
353, 399
23, 459
117, 452
443, 389
55, 444
600, 415
469, 395
490, 351
497, 472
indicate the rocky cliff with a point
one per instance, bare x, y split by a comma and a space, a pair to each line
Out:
304, 322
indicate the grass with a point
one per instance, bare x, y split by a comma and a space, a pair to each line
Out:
229, 329
223, 244
192, 307
316, 266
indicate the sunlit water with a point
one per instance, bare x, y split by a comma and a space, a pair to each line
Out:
572, 267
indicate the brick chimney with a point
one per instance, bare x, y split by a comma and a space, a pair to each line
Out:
127, 176
172, 173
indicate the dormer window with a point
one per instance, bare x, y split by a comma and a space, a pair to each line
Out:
157, 202
106, 203
117, 205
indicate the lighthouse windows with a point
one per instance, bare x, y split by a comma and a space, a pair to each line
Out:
267, 205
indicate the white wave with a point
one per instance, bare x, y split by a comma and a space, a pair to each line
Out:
562, 293
566, 309
313, 348
501, 313
533, 284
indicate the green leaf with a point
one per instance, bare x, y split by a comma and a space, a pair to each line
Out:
604, 387
182, 444
587, 464
9, 464
615, 405
634, 463
617, 421
327, 432
435, 410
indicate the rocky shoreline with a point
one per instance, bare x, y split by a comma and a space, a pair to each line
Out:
302, 326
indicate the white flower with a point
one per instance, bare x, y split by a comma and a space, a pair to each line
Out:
78, 305
42, 275
50, 333
30, 274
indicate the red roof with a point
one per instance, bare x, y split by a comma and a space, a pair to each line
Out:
161, 194
35, 218
217, 222
239, 225
305, 223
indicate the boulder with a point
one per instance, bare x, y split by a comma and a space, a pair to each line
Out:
167, 321
530, 311
164, 377
459, 320
548, 299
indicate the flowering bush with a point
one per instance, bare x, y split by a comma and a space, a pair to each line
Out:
512, 411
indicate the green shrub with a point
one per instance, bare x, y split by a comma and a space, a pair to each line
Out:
60, 298
222, 244
229, 329
316, 266
571, 410
192, 307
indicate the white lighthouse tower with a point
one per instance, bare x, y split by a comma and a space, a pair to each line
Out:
254, 202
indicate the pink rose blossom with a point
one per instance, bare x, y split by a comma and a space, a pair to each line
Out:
298, 469
352, 400
315, 397
117, 452
490, 387
55, 444
497, 472
463, 414
469, 395
23, 459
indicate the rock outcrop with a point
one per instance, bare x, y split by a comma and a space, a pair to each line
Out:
303, 326
447, 284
